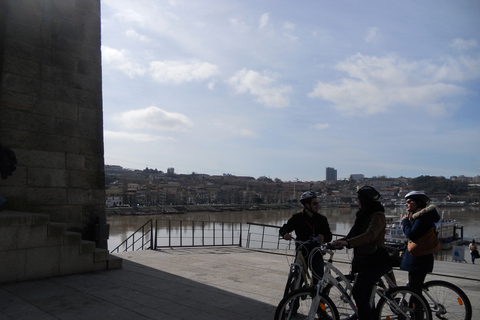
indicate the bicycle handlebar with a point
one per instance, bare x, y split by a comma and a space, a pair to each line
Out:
328, 245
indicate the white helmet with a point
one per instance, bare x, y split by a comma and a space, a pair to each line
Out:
307, 196
418, 196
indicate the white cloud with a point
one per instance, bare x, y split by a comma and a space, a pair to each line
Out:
261, 86
372, 35
233, 129
239, 25
171, 71
288, 29
376, 84
133, 34
153, 118
460, 44
120, 60
321, 126
264, 20
136, 137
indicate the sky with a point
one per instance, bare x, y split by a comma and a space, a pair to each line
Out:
284, 89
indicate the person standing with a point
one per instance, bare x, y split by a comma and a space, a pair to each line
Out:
309, 224
473, 250
370, 258
418, 220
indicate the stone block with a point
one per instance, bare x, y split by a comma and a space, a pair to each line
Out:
87, 247
114, 263
75, 161
100, 255
56, 229
37, 236
42, 263
47, 196
49, 178
38, 158
71, 261
12, 266
72, 238
8, 236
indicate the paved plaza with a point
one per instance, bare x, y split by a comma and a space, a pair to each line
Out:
208, 283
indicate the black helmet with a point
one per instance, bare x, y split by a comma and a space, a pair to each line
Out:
418, 196
306, 196
369, 192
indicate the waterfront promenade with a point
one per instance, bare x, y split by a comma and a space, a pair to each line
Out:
208, 283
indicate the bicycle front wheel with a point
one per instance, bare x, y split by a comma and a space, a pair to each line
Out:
306, 304
447, 301
291, 282
403, 303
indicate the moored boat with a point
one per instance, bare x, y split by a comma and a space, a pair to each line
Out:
449, 233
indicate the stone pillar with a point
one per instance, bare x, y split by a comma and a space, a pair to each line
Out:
51, 110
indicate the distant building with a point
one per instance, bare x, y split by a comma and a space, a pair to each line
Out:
357, 177
331, 174
170, 171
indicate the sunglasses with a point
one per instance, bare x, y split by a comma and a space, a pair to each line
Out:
315, 203
410, 201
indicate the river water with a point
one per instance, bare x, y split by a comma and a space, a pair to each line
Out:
340, 220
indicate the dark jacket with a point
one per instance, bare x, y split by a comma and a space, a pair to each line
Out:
306, 227
367, 238
414, 228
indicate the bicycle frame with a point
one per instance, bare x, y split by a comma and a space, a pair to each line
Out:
379, 289
300, 265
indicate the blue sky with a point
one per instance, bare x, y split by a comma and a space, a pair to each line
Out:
284, 89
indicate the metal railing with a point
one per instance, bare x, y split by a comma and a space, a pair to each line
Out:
141, 239
180, 233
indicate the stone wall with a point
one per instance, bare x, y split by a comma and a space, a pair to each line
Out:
51, 110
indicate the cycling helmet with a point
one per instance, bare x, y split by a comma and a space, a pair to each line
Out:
306, 196
418, 196
369, 192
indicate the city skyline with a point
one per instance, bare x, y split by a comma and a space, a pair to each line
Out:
284, 89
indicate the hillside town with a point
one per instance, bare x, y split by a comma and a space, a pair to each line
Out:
151, 187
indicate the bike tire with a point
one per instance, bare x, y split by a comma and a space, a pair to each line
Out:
403, 303
340, 299
291, 280
298, 303
450, 302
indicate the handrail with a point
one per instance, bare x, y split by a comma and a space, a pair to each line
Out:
142, 237
187, 231
259, 236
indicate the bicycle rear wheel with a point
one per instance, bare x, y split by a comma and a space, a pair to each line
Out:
403, 303
305, 304
447, 301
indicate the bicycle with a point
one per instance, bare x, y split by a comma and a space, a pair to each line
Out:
446, 300
298, 269
320, 302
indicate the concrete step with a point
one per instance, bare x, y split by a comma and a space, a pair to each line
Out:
34, 248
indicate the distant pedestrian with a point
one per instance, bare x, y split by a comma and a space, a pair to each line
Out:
473, 251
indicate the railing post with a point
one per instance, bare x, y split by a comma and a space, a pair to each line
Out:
240, 243
169, 233
156, 228
213, 233
181, 233
193, 233
203, 233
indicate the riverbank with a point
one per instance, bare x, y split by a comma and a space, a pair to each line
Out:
123, 211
